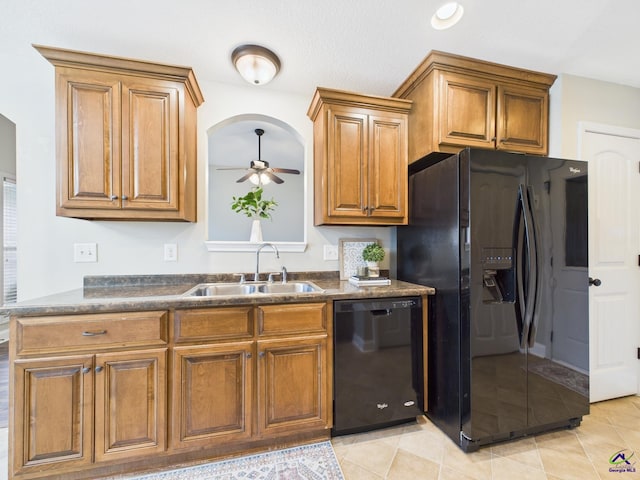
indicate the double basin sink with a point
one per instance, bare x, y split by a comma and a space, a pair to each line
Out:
251, 288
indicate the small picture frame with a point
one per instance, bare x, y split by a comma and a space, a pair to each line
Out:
350, 253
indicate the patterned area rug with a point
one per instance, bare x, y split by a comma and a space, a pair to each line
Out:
307, 462
576, 381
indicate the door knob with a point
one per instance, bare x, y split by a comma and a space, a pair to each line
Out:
596, 282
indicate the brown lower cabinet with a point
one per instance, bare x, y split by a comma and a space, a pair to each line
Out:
103, 394
254, 374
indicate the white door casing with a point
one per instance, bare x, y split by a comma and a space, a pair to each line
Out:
613, 154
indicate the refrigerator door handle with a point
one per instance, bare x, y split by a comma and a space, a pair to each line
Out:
519, 239
530, 267
537, 278
532, 262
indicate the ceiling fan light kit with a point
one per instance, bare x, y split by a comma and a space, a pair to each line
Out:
259, 172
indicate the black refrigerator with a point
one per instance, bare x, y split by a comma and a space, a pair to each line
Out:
503, 239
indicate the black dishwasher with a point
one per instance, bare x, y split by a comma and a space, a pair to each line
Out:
378, 374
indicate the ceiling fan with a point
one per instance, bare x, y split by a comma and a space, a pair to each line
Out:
259, 171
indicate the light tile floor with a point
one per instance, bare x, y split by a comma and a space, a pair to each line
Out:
422, 452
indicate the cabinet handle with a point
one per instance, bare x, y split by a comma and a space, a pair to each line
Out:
99, 369
86, 370
368, 210
124, 197
94, 334
113, 197
248, 355
261, 354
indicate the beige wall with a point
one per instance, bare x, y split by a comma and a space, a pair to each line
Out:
587, 100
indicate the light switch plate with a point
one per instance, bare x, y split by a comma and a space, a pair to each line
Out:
170, 252
85, 252
330, 252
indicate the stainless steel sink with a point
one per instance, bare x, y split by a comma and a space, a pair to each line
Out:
239, 289
214, 289
291, 287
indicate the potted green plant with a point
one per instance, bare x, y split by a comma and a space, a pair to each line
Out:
373, 254
255, 207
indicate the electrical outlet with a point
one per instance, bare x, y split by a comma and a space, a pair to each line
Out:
170, 252
85, 252
331, 252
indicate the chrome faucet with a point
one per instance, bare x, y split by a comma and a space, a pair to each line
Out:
275, 249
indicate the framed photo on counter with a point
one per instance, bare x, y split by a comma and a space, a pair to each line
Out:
350, 255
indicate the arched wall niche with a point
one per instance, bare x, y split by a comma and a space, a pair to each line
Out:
232, 145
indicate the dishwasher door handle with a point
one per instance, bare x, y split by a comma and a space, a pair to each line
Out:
382, 312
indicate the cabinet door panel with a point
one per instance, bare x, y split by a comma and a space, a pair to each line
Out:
466, 111
292, 381
522, 120
387, 167
88, 141
53, 413
347, 163
212, 394
130, 404
150, 145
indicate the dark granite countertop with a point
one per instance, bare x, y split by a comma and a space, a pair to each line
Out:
159, 292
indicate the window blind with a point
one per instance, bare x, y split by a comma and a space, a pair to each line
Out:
10, 224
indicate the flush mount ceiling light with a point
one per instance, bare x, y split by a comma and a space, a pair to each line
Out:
447, 16
256, 64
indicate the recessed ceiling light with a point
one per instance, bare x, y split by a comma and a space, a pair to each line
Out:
447, 15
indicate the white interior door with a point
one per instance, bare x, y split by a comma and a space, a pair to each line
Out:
614, 245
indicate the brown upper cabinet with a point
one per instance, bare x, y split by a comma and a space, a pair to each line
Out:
462, 102
360, 158
125, 137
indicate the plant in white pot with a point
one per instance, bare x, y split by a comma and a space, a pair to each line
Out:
255, 207
373, 254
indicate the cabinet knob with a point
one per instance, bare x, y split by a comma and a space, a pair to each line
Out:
261, 354
113, 197
99, 369
248, 355
86, 370
124, 197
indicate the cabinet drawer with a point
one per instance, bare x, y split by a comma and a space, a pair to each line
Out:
207, 324
85, 332
292, 318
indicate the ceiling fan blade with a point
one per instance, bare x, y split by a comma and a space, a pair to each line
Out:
273, 177
286, 170
245, 177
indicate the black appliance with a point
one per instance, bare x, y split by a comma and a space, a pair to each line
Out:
378, 374
503, 239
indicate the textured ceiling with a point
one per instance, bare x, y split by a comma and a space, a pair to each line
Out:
369, 46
